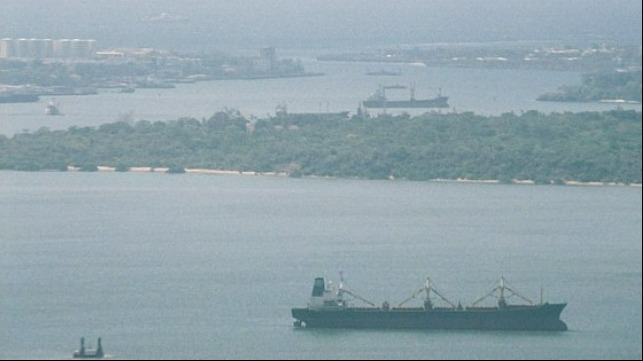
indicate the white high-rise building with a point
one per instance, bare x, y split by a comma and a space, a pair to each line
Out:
22, 48
41, 48
63, 48
82, 48
47, 48
7, 48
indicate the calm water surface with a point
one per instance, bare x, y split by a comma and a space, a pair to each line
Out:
193, 266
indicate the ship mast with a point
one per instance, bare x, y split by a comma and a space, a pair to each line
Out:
383, 98
501, 300
427, 290
501, 290
428, 304
341, 290
412, 90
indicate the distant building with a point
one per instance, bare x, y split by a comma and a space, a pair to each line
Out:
47, 48
267, 60
41, 48
62, 48
7, 48
22, 48
130, 53
268, 53
83, 48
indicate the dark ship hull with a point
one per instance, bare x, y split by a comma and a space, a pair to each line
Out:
437, 102
543, 317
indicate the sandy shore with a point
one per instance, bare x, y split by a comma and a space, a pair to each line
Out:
103, 168
209, 171
531, 182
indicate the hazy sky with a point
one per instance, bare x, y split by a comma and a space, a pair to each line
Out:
221, 24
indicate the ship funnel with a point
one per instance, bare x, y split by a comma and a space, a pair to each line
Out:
319, 287
99, 350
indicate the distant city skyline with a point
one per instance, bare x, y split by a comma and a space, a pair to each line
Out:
47, 48
200, 25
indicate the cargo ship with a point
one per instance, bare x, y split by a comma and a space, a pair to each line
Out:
379, 100
282, 113
85, 353
328, 308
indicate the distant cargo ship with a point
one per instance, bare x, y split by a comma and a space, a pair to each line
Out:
85, 353
329, 309
379, 100
282, 112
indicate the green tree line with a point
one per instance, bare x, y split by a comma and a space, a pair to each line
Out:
600, 86
546, 148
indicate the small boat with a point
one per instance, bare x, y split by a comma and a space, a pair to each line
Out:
89, 353
126, 89
52, 108
395, 86
166, 18
384, 72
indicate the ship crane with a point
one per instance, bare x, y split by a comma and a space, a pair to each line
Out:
427, 289
341, 290
501, 290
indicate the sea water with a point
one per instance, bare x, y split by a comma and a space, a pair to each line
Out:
208, 266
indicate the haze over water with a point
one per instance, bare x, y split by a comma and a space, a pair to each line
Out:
249, 24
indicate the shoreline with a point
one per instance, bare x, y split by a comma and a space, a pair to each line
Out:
531, 182
225, 172
165, 170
